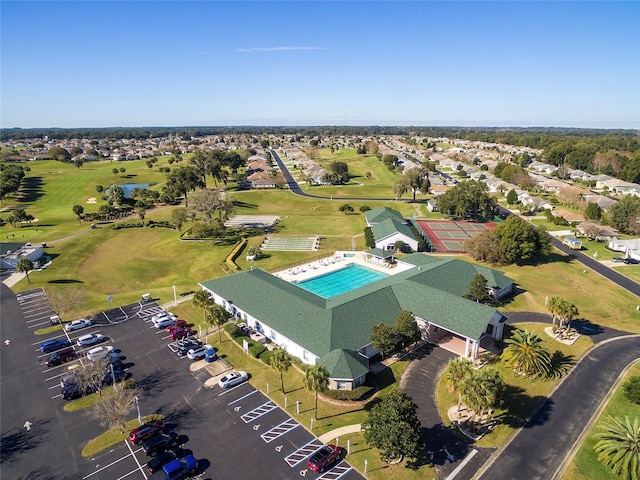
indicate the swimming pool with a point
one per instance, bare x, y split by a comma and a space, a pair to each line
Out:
340, 281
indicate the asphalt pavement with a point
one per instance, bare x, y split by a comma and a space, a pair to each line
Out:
538, 451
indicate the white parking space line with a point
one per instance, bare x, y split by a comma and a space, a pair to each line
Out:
136, 459
243, 397
39, 324
108, 465
229, 390
336, 472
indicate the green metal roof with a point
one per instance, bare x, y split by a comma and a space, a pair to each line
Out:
388, 227
377, 215
344, 364
378, 252
432, 291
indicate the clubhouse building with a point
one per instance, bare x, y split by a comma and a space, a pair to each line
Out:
336, 331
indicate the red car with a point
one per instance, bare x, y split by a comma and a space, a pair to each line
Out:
180, 333
324, 457
178, 324
146, 431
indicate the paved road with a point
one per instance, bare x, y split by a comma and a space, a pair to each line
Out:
539, 449
295, 188
617, 278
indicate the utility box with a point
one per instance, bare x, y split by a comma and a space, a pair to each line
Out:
146, 297
54, 319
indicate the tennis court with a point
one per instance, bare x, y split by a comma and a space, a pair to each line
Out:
450, 235
291, 244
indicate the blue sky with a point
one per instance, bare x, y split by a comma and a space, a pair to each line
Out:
101, 64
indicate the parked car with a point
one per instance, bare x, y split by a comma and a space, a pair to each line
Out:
324, 457
617, 259
158, 444
232, 379
75, 390
156, 463
198, 352
109, 377
180, 333
630, 261
163, 320
61, 356
97, 353
90, 339
54, 344
68, 379
185, 346
177, 324
179, 468
78, 324
145, 431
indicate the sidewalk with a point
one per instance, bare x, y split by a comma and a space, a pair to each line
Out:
338, 432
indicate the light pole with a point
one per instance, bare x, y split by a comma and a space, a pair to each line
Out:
175, 297
138, 408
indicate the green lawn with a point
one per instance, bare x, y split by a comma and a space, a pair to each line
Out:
585, 465
522, 395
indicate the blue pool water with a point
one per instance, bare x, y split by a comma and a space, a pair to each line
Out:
340, 281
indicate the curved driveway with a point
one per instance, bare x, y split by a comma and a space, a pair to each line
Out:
540, 448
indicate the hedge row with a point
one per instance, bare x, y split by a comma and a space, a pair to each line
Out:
231, 258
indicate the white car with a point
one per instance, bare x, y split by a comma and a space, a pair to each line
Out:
198, 352
232, 379
99, 352
78, 324
90, 339
163, 320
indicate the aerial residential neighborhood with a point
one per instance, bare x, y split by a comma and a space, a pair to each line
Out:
320, 240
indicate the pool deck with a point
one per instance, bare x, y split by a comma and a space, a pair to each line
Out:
330, 264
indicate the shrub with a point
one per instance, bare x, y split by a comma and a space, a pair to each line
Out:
631, 389
266, 356
161, 224
358, 393
256, 350
118, 226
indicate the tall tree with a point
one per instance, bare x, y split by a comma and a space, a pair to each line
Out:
182, 180
384, 338
457, 373
417, 181
112, 410
281, 362
478, 289
482, 389
405, 328
216, 315
393, 427
468, 199
203, 301
619, 447
25, 265
78, 210
526, 354
316, 379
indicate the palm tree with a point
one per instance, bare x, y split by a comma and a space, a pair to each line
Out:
218, 316
203, 301
567, 311
25, 265
78, 210
526, 354
316, 378
481, 390
619, 447
552, 307
458, 371
280, 361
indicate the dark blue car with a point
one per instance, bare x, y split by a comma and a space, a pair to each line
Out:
179, 468
54, 344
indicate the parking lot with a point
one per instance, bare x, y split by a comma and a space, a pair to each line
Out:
234, 433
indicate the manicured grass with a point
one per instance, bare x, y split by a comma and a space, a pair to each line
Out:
522, 394
584, 288
47, 330
585, 465
113, 436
